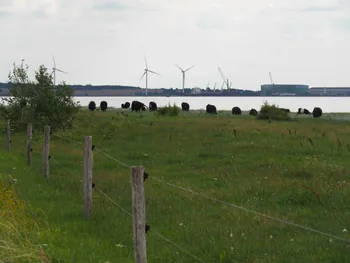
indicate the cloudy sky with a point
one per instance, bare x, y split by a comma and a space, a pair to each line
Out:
104, 42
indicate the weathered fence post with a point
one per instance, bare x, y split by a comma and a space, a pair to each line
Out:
138, 214
88, 165
29, 143
46, 151
8, 135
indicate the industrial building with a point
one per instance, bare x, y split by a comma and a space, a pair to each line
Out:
329, 91
284, 90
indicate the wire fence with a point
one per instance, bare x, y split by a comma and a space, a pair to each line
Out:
174, 186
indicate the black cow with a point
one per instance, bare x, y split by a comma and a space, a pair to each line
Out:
126, 105
103, 105
137, 106
253, 112
152, 106
92, 106
317, 112
236, 111
185, 106
303, 111
211, 109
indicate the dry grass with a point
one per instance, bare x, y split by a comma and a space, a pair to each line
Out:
16, 229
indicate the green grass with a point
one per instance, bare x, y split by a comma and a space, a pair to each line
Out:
264, 167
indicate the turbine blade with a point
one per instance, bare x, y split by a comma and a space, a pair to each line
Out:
54, 62
153, 72
189, 68
146, 62
179, 68
144, 73
61, 71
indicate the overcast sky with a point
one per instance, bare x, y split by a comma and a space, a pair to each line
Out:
104, 42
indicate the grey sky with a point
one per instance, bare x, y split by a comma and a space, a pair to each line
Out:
103, 42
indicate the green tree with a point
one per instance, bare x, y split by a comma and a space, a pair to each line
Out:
37, 101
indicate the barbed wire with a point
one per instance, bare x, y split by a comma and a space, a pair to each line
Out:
252, 211
234, 205
96, 149
201, 195
129, 214
151, 229
112, 158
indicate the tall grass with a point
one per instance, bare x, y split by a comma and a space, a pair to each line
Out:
17, 242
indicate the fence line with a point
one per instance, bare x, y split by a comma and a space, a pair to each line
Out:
233, 205
137, 181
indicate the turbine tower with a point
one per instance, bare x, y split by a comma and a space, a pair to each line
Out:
146, 73
183, 76
54, 69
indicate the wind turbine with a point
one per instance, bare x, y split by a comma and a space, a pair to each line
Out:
183, 76
54, 69
146, 73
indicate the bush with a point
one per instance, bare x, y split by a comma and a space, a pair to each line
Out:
38, 102
169, 110
317, 112
272, 112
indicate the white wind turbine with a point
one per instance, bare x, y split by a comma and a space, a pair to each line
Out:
183, 76
146, 73
54, 69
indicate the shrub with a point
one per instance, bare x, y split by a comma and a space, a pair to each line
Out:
169, 110
103, 105
317, 112
38, 102
272, 112
92, 106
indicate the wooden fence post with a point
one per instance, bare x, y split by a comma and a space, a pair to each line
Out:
138, 214
29, 143
8, 135
46, 151
88, 166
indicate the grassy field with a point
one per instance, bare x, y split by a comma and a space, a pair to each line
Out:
272, 168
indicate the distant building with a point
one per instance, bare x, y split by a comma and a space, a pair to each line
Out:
284, 90
196, 90
330, 91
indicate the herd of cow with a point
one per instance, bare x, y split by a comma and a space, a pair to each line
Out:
211, 109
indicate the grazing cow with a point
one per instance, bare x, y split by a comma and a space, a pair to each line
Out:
103, 105
236, 111
137, 106
152, 106
92, 106
286, 110
303, 111
185, 106
126, 105
317, 112
211, 109
253, 112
